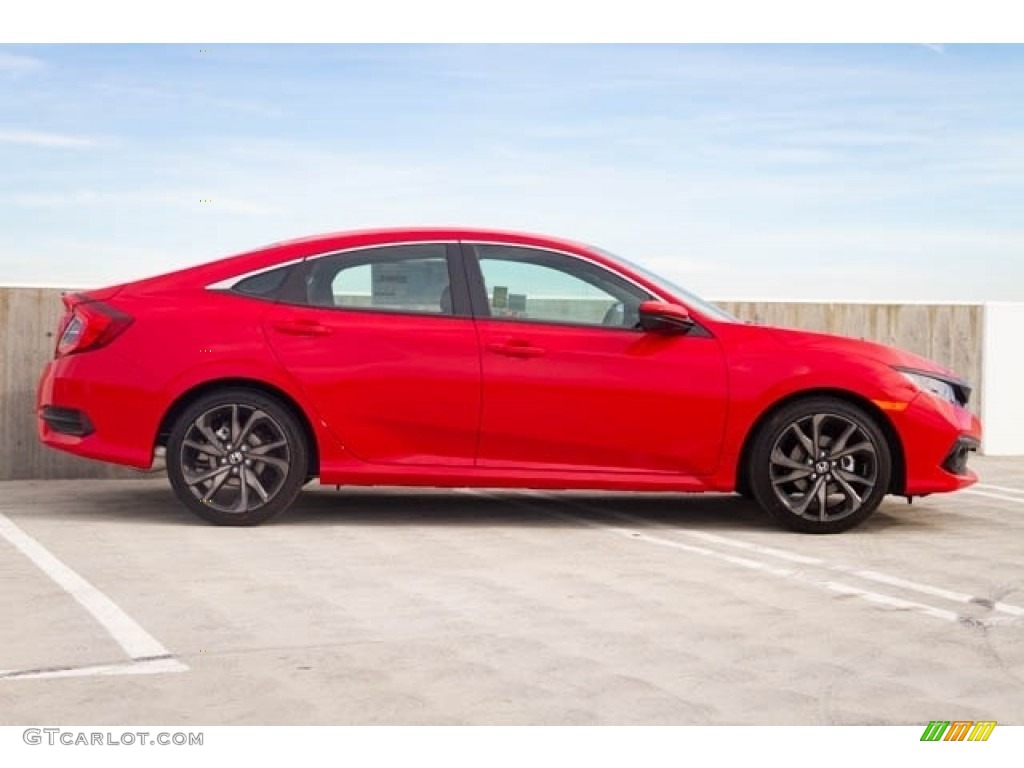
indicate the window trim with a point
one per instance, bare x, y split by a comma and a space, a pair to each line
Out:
229, 283
478, 290
294, 294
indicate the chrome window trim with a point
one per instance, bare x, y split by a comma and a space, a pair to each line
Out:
592, 262
230, 282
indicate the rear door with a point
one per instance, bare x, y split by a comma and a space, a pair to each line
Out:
382, 342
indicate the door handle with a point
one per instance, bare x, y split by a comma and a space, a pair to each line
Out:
302, 328
516, 348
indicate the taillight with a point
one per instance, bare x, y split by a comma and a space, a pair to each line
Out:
90, 325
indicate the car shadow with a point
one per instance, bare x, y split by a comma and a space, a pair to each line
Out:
511, 508
153, 502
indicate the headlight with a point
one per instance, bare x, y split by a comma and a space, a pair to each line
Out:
938, 387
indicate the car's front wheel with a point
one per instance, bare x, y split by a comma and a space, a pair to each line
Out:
236, 457
820, 465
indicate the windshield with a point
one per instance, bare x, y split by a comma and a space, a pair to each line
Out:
690, 299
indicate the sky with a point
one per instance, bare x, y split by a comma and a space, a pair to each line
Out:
809, 172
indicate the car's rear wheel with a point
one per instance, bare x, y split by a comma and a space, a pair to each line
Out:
236, 457
820, 465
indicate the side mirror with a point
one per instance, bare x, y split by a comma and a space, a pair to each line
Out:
660, 317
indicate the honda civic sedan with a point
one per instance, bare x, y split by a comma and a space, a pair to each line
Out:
478, 358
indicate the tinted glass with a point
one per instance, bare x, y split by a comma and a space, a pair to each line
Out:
533, 284
671, 288
406, 278
266, 284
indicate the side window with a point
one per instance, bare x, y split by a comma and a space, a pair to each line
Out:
544, 286
402, 278
265, 285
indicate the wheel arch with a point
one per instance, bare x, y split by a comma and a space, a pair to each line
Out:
195, 392
898, 479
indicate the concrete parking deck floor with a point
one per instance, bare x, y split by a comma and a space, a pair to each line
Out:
400, 607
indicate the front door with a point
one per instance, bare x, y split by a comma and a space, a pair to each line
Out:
569, 383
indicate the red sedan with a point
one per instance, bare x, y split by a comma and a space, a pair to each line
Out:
457, 357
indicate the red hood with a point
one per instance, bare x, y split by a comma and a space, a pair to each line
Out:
843, 345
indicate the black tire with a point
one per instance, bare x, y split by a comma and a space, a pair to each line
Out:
228, 481
832, 488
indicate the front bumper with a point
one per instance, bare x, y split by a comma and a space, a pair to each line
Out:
956, 461
938, 438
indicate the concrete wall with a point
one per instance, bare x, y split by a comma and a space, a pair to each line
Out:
950, 334
1002, 412
28, 322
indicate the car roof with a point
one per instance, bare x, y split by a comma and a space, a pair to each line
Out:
282, 252
428, 233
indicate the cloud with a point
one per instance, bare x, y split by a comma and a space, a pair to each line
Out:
765, 167
42, 139
245, 207
52, 199
17, 64
142, 93
153, 198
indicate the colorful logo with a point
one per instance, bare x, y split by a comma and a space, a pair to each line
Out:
958, 730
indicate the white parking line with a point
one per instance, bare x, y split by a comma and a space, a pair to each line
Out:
792, 574
1000, 496
868, 575
991, 487
142, 667
142, 647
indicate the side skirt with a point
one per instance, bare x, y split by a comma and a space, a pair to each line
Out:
476, 477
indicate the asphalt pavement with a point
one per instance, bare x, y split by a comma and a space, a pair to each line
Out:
395, 606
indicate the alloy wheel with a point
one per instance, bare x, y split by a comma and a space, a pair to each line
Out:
823, 467
235, 458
